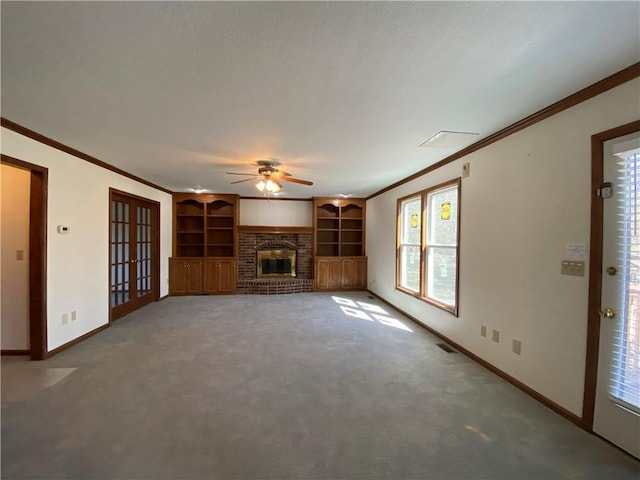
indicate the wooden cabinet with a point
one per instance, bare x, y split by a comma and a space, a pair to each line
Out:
185, 276
339, 243
193, 276
328, 274
205, 240
205, 225
339, 225
341, 273
354, 273
219, 275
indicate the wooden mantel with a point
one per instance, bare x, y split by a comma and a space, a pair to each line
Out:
273, 229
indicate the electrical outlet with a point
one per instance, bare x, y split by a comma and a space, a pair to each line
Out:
496, 336
65, 318
73, 316
483, 331
517, 346
465, 170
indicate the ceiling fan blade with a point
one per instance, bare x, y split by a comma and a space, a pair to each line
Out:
245, 180
296, 180
232, 173
280, 174
276, 182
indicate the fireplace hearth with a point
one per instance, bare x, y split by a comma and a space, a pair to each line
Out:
281, 281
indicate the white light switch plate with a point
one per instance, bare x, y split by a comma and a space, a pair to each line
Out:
572, 267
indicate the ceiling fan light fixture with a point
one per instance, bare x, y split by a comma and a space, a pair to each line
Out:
269, 186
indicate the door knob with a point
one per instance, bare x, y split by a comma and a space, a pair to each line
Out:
607, 313
612, 271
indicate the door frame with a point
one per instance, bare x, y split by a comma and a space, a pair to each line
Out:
155, 245
38, 338
595, 267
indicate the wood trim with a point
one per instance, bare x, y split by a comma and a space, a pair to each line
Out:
513, 381
37, 255
38, 265
264, 229
8, 124
595, 267
75, 341
277, 199
591, 91
14, 352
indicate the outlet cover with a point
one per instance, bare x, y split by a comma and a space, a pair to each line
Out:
517, 346
465, 170
74, 315
65, 318
483, 331
496, 336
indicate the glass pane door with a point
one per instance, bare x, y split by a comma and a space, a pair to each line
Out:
134, 245
120, 251
143, 251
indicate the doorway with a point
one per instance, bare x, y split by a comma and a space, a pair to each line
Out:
134, 267
612, 383
37, 269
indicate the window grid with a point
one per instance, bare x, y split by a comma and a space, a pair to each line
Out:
437, 247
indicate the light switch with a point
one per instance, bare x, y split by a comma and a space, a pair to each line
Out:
572, 267
19, 254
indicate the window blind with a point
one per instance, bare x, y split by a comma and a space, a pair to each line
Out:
625, 376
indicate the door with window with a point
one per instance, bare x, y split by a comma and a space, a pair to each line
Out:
133, 253
617, 403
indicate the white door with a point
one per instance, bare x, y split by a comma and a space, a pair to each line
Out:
617, 407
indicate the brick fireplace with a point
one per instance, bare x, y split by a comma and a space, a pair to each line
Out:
250, 241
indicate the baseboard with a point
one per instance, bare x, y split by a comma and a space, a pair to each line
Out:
75, 341
573, 418
163, 298
15, 352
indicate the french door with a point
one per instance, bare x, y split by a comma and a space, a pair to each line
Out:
617, 401
133, 253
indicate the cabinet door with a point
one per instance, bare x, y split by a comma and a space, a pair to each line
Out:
354, 273
194, 274
227, 276
328, 274
185, 276
219, 276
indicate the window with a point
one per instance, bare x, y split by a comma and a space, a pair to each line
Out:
428, 250
410, 248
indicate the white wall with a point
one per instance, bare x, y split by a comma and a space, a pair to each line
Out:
276, 213
77, 263
527, 197
14, 233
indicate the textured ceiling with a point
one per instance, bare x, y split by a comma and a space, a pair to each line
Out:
339, 93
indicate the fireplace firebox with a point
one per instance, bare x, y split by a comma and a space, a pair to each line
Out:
279, 263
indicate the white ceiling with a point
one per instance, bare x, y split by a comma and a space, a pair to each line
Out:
340, 93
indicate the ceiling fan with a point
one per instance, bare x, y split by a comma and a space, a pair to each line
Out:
270, 177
